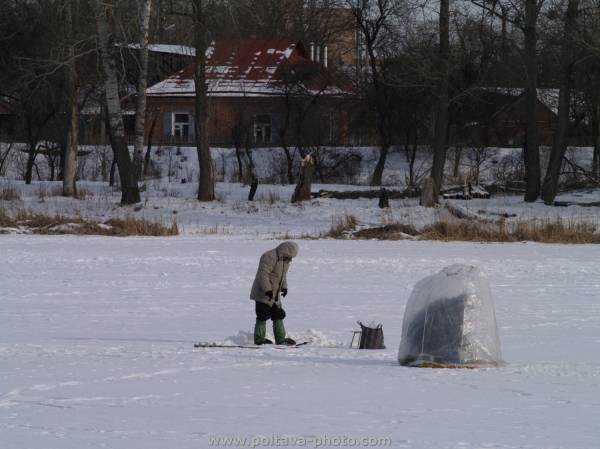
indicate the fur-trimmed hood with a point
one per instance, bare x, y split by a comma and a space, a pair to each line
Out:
287, 249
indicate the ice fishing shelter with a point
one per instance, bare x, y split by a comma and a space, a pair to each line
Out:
450, 321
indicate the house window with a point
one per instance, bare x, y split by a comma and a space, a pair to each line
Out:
262, 128
181, 124
329, 128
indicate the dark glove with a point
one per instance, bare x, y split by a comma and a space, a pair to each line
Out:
284, 292
269, 294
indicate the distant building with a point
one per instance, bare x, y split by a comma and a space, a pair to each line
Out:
343, 46
496, 117
260, 91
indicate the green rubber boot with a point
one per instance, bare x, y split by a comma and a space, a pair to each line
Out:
279, 331
260, 330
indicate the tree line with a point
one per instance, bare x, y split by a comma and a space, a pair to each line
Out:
420, 67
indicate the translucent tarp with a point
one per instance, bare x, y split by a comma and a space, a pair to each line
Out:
450, 321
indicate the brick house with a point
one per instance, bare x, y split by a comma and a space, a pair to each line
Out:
496, 117
260, 92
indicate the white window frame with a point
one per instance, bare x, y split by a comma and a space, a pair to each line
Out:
179, 126
260, 128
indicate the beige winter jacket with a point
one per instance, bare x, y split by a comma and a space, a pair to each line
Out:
272, 273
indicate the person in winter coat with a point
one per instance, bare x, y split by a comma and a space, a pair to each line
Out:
270, 282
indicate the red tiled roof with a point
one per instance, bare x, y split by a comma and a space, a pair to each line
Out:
238, 67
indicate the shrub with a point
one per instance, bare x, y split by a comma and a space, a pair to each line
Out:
40, 223
340, 226
8, 192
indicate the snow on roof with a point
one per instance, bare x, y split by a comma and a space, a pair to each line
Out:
167, 48
237, 68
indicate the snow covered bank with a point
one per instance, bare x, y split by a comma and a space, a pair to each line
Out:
96, 346
272, 214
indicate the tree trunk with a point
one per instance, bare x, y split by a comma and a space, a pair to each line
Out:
382, 124
428, 195
140, 106
531, 152
441, 117
111, 176
70, 164
253, 187
411, 164
149, 147
457, 157
378, 172
289, 159
32, 141
30, 162
251, 177
238, 157
596, 161
52, 165
129, 189
407, 144
70, 161
206, 188
61, 162
561, 135
302, 190
596, 156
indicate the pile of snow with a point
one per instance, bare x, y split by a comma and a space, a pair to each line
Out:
317, 338
450, 320
312, 336
242, 338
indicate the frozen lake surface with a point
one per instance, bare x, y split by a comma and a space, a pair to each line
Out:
96, 346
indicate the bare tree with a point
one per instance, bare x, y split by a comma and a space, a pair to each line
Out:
531, 151
140, 107
587, 75
443, 99
72, 146
206, 188
104, 11
32, 75
561, 135
304, 85
373, 18
525, 14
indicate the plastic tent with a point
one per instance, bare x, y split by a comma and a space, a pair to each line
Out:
450, 321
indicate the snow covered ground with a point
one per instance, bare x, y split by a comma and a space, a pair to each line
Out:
272, 214
96, 346
167, 197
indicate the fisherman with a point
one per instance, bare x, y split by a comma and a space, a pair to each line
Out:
270, 282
